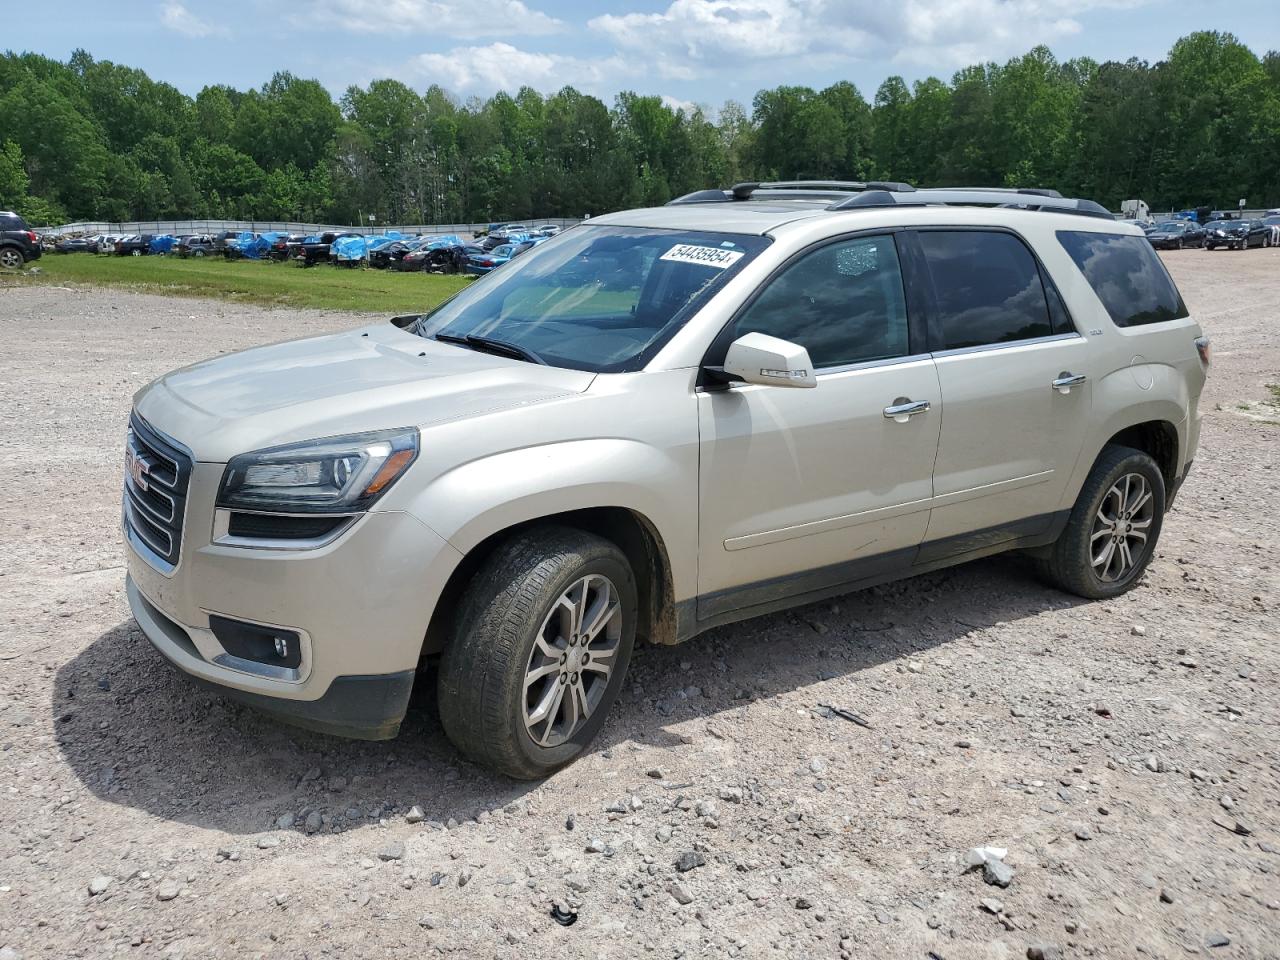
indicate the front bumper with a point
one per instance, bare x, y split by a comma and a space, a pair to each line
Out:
360, 606
360, 707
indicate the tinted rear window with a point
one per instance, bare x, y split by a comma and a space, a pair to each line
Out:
987, 286
1126, 275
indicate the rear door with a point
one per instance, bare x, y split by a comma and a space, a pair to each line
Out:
1001, 340
802, 490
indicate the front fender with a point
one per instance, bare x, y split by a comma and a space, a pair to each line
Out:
475, 500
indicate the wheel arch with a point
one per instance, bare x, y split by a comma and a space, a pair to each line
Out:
630, 530
1158, 439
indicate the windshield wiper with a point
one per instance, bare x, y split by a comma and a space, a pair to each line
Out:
502, 348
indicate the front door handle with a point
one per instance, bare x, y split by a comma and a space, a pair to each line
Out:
903, 409
1066, 381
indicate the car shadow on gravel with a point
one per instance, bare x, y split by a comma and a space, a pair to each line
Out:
137, 734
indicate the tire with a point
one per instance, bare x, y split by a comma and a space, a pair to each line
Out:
11, 258
1071, 564
198, 253
135, 253
1179, 243
506, 623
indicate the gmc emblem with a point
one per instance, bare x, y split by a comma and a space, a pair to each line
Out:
137, 468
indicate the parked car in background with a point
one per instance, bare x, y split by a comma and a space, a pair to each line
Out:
220, 239
72, 245
285, 246
1146, 226
1236, 234
199, 245
435, 255
106, 244
482, 263
134, 245
1272, 222
547, 230
389, 255
318, 250
1176, 234
18, 242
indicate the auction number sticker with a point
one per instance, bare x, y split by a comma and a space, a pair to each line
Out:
704, 256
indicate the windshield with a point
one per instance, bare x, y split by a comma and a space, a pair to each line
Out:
598, 298
1172, 226
1220, 224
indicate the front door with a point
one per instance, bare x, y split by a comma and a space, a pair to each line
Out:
803, 490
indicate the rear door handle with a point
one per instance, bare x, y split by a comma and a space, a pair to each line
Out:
902, 409
1066, 381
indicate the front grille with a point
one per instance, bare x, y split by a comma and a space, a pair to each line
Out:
157, 474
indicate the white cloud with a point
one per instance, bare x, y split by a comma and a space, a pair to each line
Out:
452, 18
676, 104
697, 37
179, 19
500, 66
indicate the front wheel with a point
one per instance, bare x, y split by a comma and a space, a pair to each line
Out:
539, 651
135, 253
1112, 532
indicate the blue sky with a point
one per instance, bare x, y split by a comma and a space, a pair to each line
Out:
690, 51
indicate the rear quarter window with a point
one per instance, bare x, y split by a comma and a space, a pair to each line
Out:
1127, 276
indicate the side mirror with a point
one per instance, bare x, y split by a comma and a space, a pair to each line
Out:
769, 361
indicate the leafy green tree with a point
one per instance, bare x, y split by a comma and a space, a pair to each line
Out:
13, 176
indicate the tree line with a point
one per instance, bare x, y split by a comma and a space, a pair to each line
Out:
94, 140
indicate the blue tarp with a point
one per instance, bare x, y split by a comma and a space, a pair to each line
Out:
254, 246
349, 248
377, 243
161, 244
446, 240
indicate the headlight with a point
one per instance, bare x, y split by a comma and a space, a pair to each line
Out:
335, 475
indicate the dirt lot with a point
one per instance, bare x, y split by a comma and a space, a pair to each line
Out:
1126, 754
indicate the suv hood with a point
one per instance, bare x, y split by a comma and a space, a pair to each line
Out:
368, 379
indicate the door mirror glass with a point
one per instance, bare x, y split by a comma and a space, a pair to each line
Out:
769, 361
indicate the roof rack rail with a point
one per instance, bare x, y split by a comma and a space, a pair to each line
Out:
790, 190
1023, 199
857, 194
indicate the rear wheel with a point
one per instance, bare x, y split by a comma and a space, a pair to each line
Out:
135, 253
10, 258
539, 651
1112, 532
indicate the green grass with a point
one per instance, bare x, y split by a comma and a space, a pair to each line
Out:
247, 281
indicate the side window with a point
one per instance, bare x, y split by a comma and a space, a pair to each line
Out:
987, 286
844, 303
1127, 276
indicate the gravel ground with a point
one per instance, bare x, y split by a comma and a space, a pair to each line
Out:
1124, 753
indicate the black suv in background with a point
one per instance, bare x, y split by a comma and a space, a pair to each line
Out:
136, 245
200, 245
18, 242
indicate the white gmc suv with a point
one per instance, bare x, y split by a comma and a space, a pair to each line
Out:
659, 421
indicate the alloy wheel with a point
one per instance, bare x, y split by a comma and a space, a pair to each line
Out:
572, 660
10, 259
1120, 528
